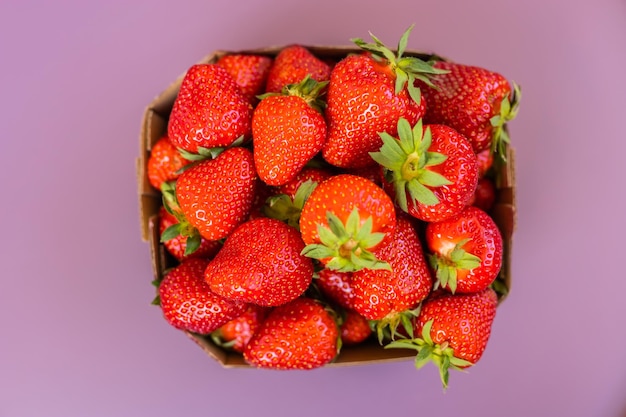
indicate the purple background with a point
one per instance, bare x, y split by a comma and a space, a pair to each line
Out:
79, 336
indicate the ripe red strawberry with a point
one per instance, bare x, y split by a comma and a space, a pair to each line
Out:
452, 330
164, 163
475, 102
210, 110
354, 328
336, 286
237, 333
263, 192
431, 171
317, 175
485, 162
344, 219
177, 246
466, 251
288, 209
261, 263
389, 296
216, 195
292, 64
485, 195
373, 173
288, 131
189, 304
298, 335
367, 94
250, 72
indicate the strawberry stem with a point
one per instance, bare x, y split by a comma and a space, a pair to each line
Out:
442, 355
406, 69
406, 162
509, 108
346, 248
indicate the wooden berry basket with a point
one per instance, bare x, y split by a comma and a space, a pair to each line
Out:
154, 126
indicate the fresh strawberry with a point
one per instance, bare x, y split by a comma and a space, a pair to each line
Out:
216, 195
475, 102
431, 171
344, 219
261, 263
292, 64
336, 286
466, 251
367, 94
263, 192
288, 209
354, 328
250, 72
485, 195
210, 110
452, 330
189, 304
177, 246
164, 163
315, 174
301, 334
288, 131
485, 162
390, 296
237, 333
373, 173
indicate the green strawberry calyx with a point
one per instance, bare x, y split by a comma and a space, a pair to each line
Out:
308, 89
406, 162
207, 153
509, 107
182, 227
285, 209
446, 266
407, 69
441, 355
387, 327
346, 247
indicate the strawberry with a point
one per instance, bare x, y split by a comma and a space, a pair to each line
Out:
354, 328
288, 209
466, 251
344, 219
485, 195
177, 246
485, 162
292, 64
336, 286
288, 131
237, 333
286, 205
209, 111
250, 72
301, 334
164, 163
452, 330
367, 94
475, 102
189, 304
261, 263
431, 171
216, 195
263, 192
389, 296
315, 174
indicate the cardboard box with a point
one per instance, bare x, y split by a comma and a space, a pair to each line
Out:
154, 126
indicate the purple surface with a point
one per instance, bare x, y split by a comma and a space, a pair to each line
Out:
79, 336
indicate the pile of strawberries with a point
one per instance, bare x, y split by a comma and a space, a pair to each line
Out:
313, 203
